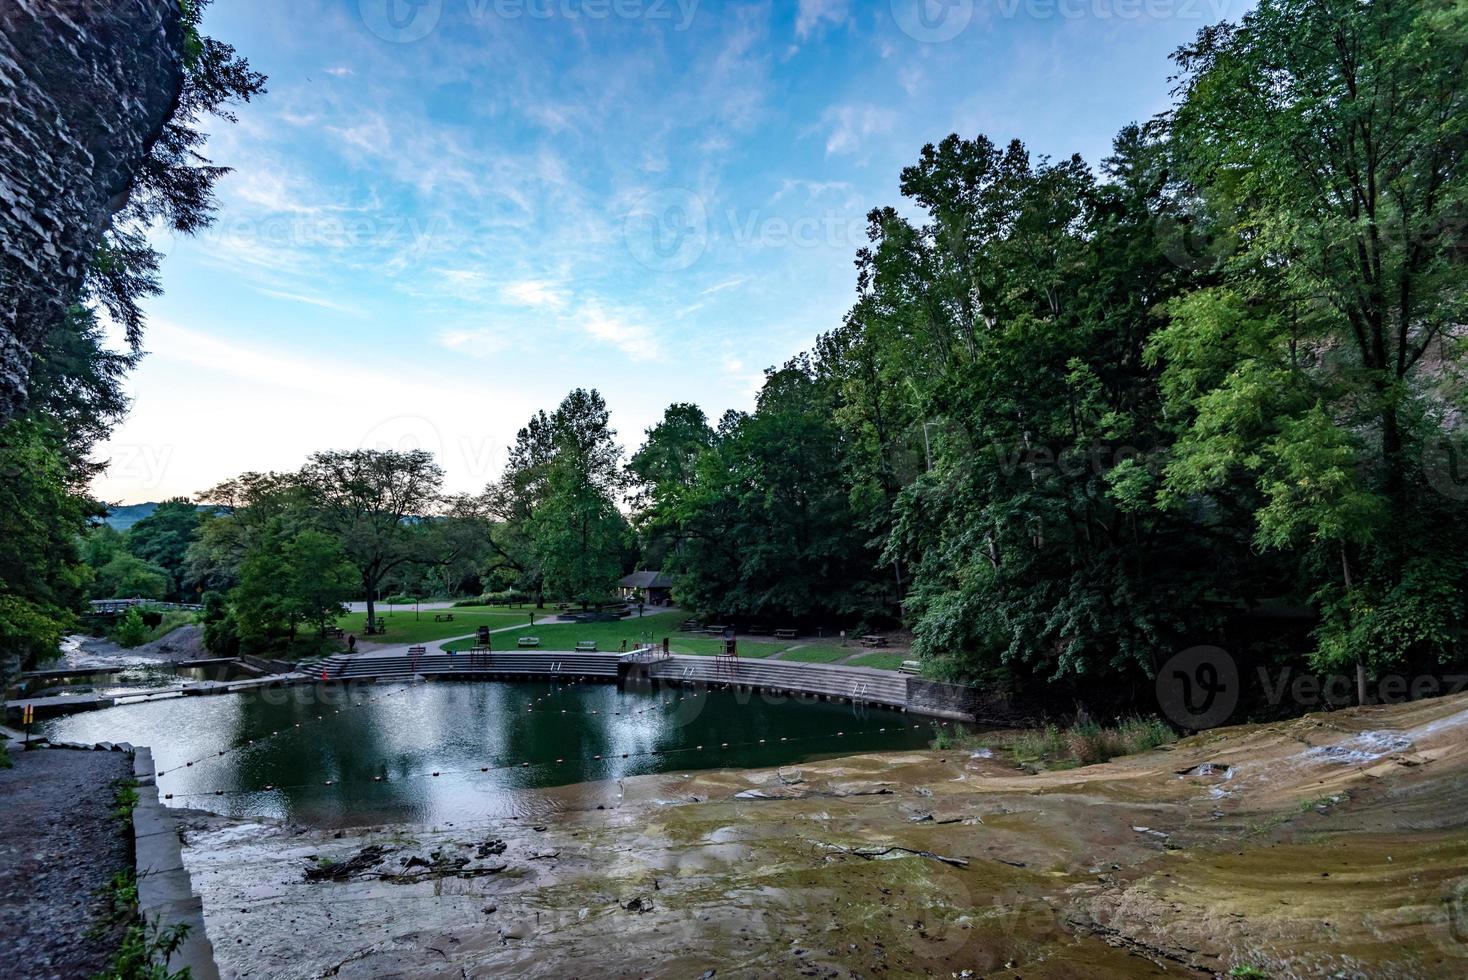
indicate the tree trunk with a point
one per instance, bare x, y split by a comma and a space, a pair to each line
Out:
1360, 682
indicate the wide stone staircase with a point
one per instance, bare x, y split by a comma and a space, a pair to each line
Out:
400, 666
860, 684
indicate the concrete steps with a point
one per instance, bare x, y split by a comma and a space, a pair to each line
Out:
859, 684
853, 683
391, 667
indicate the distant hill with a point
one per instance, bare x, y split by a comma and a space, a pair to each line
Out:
122, 518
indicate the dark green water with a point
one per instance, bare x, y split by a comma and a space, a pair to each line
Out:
380, 745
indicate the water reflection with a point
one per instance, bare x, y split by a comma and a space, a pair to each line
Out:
340, 758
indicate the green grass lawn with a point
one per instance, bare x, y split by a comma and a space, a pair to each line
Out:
882, 661
609, 637
402, 627
653, 628
817, 653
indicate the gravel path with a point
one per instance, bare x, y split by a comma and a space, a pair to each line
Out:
59, 848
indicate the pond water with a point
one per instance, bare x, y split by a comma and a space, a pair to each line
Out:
335, 757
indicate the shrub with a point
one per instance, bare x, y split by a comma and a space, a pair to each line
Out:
131, 631
1088, 743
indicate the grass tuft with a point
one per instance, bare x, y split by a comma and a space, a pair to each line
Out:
1088, 743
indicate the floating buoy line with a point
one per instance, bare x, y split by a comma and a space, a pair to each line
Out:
510, 766
352, 702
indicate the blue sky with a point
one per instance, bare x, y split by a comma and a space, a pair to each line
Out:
448, 213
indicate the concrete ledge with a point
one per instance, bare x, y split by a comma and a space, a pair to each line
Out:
165, 893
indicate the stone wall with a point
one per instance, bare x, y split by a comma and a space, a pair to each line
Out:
85, 88
964, 703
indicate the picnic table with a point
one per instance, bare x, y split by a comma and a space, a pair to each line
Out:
691, 626
333, 632
911, 667
874, 641
529, 642
786, 635
444, 618
586, 646
716, 630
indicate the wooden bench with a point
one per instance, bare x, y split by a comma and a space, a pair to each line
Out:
874, 641
691, 626
333, 632
530, 642
911, 667
586, 646
444, 618
786, 635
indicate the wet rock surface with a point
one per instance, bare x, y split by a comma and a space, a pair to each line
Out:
84, 91
1249, 847
59, 849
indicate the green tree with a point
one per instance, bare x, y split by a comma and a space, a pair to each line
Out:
1322, 371
130, 631
129, 577
289, 579
163, 539
377, 504
662, 472
42, 516
560, 486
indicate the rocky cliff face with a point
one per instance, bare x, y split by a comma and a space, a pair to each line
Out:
85, 88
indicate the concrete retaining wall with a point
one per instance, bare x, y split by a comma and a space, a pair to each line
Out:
165, 892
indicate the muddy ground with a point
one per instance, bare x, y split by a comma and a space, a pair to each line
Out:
1332, 845
59, 849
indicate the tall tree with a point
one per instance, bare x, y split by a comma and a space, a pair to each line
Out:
375, 502
662, 472
563, 478
1331, 135
163, 539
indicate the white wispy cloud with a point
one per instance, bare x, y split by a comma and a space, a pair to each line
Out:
536, 293
813, 14
633, 339
321, 301
850, 126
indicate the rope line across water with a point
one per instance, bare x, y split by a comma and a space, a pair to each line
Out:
509, 767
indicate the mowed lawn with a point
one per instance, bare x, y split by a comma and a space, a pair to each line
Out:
654, 628
403, 627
